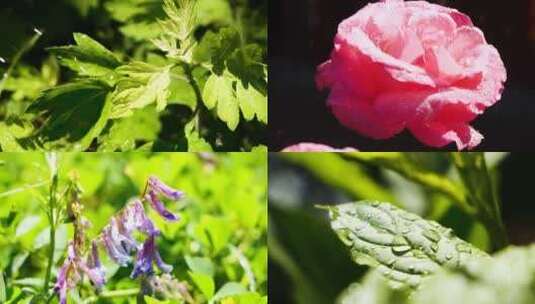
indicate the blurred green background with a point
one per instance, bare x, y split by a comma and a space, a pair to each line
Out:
223, 225
308, 263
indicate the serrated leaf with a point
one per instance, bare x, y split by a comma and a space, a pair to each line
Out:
141, 85
88, 57
217, 48
218, 91
74, 112
402, 246
252, 103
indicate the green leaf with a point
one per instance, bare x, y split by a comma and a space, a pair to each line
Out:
402, 246
252, 103
373, 289
8, 142
216, 48
218, 91
126, 133
214, 11
141, 85
75, 112
246, 298
246, 64
229, 289
200, 265
481, 194
204, 282
151, 300
195, 142
508, 277
88, 57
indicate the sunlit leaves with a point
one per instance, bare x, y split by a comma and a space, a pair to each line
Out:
87, 57
218, 91
141, 85
74, 112
402, 246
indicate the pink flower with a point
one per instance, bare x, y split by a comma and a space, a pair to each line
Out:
312, 147
413, 65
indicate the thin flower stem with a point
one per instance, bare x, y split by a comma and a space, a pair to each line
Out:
112, 294
51, 207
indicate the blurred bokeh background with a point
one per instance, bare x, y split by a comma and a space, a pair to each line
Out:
308, 263
223, 219
301, 34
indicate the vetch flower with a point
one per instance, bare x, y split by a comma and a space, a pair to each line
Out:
69, 274
158, 186
118, 240
145, 258
413, 65
157, 205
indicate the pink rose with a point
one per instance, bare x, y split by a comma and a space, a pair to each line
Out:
412, 65
312, 147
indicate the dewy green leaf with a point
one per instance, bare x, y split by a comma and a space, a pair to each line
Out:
404, 247
88, 57
72, 111
218, 91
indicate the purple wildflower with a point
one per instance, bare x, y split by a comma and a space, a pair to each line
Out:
134, 217
146, 256
158, 186
157, 205
69, 273
113, 246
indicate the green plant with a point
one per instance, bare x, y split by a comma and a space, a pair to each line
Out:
217, 249
189, 75
420, 261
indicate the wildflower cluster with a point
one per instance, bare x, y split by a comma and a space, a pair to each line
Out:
118, 240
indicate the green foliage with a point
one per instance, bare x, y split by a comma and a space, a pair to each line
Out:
402, 246
505, 278
227, 190
174, 55
435, 224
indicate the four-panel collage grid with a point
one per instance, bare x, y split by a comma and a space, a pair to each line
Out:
138, 163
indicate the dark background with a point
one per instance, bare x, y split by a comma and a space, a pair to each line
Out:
305, 233
300, 37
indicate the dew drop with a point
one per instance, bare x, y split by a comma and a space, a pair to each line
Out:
37, 31
2, 60
449, 256
400, 250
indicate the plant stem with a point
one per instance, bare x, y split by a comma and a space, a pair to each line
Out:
51, 219
26, 47
113, 294
480, 193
